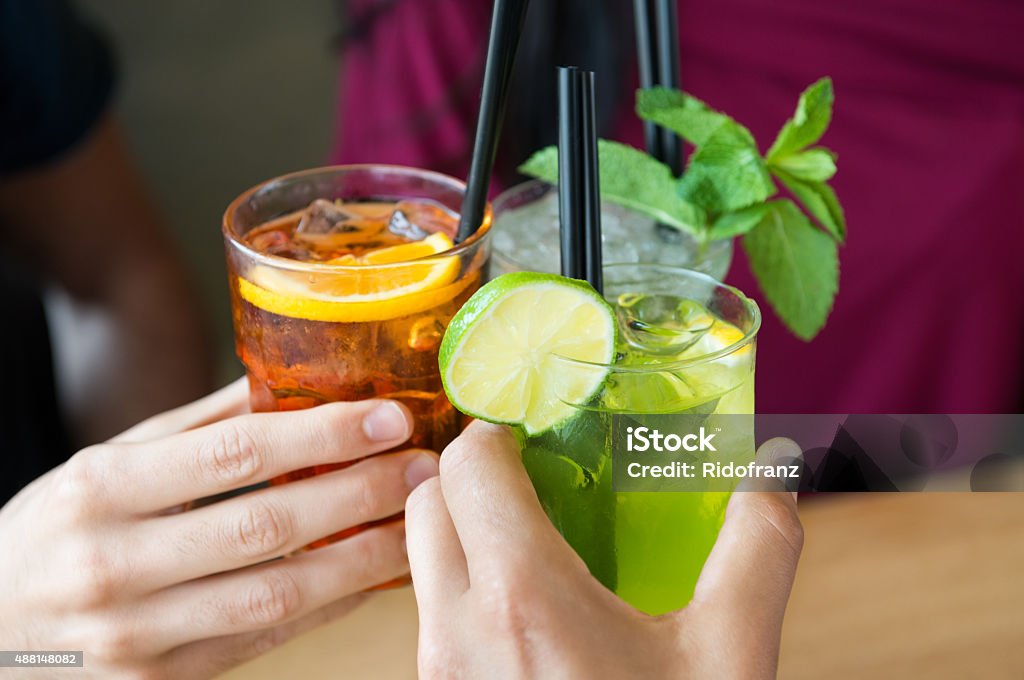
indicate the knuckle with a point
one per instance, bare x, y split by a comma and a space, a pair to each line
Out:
465, 449
456, 456
80, 481
382, 550
424, 497
263, 530
265, 641
261, 644
231, 455
111, 642
98, 581
506, 611
247, 647
274, 599
514, 615
366, 500
434, 658
515, 620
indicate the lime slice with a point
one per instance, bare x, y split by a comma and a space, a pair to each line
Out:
500, 358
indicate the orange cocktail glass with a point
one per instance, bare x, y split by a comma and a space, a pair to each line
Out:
349, 299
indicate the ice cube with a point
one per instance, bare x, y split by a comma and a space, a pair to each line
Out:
324, 217
658, 340
425, 218
659, 325
425, 334
328, 228
527, 238
407, 347
280, 244
400, 225
268, 241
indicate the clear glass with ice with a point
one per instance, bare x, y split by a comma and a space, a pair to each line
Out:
526, 236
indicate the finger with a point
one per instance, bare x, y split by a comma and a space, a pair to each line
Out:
268, 595
499, 521
208, 658
436, 560
232, 400
235, 453
269, 523
749, 573
786, 457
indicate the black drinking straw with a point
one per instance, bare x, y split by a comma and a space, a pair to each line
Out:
646, 60
593, 514
591, 190
657, 42
506, 29
578, 190
666, 19
569, 157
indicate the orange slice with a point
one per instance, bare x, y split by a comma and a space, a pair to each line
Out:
354, 293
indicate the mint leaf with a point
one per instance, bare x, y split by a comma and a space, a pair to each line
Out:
630, 178
739, 222
796, 265
687, 116
820, 201
726, 172
808, 124
815, 165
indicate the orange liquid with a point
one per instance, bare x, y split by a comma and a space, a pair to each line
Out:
295, 363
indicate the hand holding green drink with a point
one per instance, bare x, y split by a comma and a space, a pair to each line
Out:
558, 362
551, 357
500, 593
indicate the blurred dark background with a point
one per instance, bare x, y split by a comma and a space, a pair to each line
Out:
216, 97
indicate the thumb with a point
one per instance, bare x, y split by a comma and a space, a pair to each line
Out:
495, 510
747, 578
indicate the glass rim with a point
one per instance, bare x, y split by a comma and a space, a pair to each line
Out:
479, 236
748, 336
523, 187
543, 188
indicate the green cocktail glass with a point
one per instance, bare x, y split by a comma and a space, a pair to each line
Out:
686, 345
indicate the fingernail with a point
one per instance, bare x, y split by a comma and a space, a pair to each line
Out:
784, 449
386, 423
422, 468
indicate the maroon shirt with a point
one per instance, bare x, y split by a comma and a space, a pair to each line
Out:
929, 129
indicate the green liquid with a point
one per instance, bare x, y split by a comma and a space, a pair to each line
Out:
648, 547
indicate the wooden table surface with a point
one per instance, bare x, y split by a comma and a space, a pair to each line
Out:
890, 586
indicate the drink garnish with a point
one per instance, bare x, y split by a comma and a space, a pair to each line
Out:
727, 191
363, 288
503, 356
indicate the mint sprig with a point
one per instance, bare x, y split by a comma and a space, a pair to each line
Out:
808, 124
725, 192
726, 172
819, 200
687, 116
796, 266
814, 165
